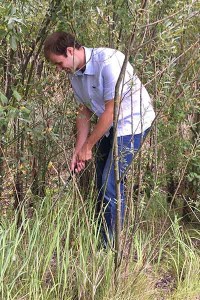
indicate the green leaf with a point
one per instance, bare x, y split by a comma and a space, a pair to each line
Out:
2, 33
25, 110
17, 96
3, 98
13, 42
1, 110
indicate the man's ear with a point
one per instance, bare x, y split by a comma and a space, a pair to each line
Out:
69, 51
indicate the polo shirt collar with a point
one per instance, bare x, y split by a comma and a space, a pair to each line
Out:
89, 69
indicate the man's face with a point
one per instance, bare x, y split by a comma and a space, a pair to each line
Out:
68, 63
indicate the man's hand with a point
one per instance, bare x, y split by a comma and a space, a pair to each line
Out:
79, 159
73, 163
85, 153
76, 165
85, 143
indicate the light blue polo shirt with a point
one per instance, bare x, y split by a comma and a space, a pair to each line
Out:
97, 84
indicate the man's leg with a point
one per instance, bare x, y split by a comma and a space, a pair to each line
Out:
127, 146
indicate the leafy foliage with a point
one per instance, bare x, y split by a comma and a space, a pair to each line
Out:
37, 114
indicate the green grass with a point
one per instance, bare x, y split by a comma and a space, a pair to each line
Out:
57, 255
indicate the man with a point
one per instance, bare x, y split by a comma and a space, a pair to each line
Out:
93, 75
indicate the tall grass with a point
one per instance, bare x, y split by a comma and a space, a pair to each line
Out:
56, 256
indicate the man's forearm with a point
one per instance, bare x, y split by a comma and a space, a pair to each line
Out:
82, 126
102, 126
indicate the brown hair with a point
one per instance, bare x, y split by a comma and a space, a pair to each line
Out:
58, 42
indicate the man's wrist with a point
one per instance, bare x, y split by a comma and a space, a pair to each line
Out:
88, 143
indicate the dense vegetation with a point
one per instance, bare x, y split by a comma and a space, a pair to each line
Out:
48, 234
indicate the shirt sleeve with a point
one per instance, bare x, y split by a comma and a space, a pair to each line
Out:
77, 98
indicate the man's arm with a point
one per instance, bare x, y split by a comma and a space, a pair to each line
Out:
83, 128
103, 124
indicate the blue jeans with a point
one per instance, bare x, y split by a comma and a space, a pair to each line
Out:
106, 204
